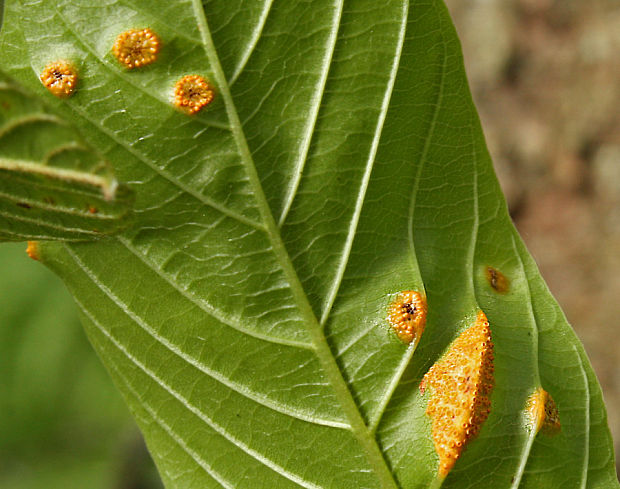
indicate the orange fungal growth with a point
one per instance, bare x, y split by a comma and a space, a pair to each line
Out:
543, 413
460, 383
407, 316
497, 280
33, 250
136, 47
60, 78
192, 93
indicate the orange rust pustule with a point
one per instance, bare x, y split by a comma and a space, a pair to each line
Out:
33, 250
192, 93
497, 280
407, 316
136, 47
461, 383
60, 78
543, 413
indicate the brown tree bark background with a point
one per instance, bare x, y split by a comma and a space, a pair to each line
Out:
545, 75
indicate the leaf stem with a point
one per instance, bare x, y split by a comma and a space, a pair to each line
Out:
358, 426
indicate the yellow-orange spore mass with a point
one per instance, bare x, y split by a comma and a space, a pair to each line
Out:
460, 383
136, 47
32, 250
192, 93
407, 316
60, 78
543, 412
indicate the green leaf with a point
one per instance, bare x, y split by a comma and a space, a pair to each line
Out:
243, 316
52, 184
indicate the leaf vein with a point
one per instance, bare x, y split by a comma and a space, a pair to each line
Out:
197, 412
251, 46
315, 103
367, 441
331, 297
209, 309
238, 388
375, 419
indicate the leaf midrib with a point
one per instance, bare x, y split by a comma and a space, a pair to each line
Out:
364, 437
151, 164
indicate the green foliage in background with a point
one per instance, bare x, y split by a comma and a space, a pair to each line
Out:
61, 422
242, 314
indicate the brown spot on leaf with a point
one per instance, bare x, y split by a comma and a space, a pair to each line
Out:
497, 280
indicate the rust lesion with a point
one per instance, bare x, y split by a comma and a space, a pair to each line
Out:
60, 78
543, 414
192, 93
407, 316
137, 47
32, 250
497, 280
460, 384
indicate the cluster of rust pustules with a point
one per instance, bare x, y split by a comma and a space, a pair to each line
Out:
134, 48
461, 382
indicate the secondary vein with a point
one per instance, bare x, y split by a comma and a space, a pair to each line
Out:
360, 430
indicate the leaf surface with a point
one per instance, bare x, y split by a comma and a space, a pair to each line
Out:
53, 185
243, 316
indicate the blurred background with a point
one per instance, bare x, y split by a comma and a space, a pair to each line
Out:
545, 75
63, 425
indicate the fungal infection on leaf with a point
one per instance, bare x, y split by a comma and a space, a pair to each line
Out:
460, 384
32, 250
407, 316
192, 93
497, 280
136, 47
543, 413
60, 78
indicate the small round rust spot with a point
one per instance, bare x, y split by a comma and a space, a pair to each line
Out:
497, 280
92, 210
33, 250
136, 47
407, 316
60, 78
192, 93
